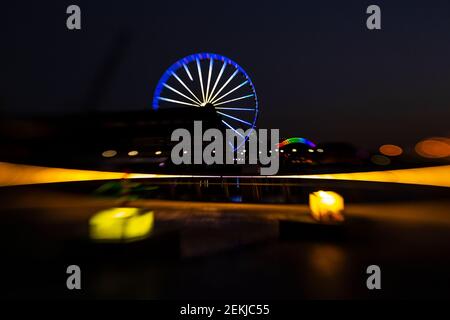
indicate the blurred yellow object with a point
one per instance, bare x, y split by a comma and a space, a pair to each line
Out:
124, 224
326, 206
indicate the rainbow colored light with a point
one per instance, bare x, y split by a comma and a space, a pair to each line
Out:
296, 140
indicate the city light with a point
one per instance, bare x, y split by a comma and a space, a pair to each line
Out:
109, 153
326, 206
390, 150
437, 147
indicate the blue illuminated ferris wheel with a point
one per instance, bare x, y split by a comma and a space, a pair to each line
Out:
213, 81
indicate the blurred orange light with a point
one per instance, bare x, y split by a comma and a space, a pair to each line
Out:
437, 147
326, 206
391, 150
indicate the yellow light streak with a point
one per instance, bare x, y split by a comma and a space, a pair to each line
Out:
18, 174
432, 176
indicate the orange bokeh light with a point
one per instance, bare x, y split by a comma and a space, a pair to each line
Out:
437, 147
391, 150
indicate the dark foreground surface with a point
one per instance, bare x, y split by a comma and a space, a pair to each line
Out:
207, 250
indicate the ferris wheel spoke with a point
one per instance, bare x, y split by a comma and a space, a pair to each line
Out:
236, 99
177, 101
188, 72
229, 126
218, 79
186, 87
229, 92
201, 79
234, 118
225, 84
237, 109
181, 94
209, 78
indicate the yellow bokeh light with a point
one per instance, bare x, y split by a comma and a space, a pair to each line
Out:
121, 224
391, 150
326, 206
109, 153
133, 153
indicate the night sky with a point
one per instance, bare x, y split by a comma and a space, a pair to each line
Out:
318, 72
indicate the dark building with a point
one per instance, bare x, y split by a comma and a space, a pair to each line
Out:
135, 141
